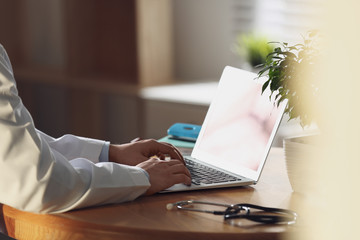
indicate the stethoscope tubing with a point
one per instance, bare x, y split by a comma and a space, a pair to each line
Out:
242, 210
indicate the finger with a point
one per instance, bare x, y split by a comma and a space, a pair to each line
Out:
179, 168
164, 156
176, 150
156, 147
174, 166
173, 162
155, 157
173, 151
181, 178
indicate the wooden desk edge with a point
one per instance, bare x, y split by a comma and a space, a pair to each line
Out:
21, 224
35, 226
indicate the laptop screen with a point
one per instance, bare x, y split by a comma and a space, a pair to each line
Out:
240, 125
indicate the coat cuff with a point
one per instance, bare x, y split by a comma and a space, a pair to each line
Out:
104, 155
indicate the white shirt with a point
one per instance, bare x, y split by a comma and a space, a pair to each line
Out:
39, 173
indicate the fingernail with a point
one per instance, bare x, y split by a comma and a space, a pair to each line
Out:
167, 157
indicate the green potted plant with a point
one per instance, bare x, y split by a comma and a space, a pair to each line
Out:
291, 74
290, 71
253, 48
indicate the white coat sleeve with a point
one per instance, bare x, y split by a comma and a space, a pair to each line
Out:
72, 147
34, 177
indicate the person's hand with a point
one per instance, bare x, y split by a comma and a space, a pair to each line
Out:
137, 152
164, 174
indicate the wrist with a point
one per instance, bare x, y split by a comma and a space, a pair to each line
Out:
112, 152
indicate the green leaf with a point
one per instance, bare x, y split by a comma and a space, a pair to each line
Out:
260, 65
274, 85
277, 96
264, 86
277, 50
261, 72
272, 42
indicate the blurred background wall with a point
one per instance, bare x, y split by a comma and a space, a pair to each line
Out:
81, 65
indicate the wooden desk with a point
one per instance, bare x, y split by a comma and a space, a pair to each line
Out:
147, 217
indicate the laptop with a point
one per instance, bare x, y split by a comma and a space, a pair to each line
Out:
236, 136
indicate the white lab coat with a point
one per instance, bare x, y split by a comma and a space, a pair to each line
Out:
41, 174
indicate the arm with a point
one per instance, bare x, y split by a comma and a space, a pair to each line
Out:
35, 178
36, 175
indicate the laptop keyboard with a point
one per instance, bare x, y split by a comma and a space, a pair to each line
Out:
201, 174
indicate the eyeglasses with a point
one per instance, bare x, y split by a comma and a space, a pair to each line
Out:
247, 211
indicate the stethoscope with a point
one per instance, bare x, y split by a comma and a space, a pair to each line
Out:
241, 211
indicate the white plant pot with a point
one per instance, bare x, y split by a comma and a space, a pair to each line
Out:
300, 155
